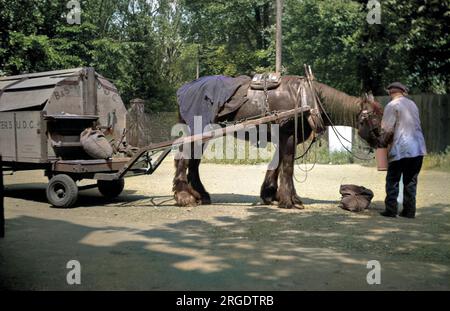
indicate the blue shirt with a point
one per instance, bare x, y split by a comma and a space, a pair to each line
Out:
401, 116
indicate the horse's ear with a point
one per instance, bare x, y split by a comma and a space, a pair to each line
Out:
364, 99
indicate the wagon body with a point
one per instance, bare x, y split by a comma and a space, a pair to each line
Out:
22, 139
43, 114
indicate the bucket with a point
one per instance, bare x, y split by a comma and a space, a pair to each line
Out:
381, 157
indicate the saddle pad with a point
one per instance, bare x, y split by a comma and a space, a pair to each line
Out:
238, 99
204, 98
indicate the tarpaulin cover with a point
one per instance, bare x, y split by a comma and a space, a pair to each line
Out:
205, 97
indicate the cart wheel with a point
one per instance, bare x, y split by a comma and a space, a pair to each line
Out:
111, 188
62, 191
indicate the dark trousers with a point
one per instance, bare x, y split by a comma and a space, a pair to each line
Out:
410, 168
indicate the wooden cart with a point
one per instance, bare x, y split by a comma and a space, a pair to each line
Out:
42, 117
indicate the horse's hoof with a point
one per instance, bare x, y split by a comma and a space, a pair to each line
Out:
285, 205
205, 200
267, 201
184, 198
268, 195
296, 199
298, 204
292, 203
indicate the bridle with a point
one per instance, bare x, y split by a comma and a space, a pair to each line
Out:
371, 118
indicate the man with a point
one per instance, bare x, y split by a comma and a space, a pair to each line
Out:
402, 134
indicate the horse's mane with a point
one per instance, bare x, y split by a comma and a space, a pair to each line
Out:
342, 108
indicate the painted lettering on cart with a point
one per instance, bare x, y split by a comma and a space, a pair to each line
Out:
21, 124
60, 94
6, 125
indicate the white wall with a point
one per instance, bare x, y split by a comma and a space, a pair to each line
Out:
334, 144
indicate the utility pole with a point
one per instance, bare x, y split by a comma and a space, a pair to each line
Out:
279, 36
198, 61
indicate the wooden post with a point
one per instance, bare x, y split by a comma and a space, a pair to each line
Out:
2, 208
198, 62
279, 36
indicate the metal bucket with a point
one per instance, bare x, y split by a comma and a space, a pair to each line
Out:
382, 160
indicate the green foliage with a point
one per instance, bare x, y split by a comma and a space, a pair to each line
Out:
151, 47
323, 35
411, 44
30, 52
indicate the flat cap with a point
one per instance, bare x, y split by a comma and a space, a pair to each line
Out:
398, 85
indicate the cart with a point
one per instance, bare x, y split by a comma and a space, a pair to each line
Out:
41, 119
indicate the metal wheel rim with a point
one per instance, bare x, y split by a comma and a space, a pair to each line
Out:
59, 191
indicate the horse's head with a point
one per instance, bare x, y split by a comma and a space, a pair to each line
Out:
369, 120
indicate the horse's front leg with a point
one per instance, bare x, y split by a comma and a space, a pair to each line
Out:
269, 187
184, 194
287, 196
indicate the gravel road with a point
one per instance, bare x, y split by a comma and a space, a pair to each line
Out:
141, 241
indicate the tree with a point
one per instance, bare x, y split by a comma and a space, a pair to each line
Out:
235, 37
151, 47
322, 34
411, 44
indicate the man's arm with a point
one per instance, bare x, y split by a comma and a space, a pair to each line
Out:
387, 126
385, 139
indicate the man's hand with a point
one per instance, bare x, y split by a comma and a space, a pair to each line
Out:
385, 139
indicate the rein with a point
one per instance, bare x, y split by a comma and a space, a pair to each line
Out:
366, 115
339, 135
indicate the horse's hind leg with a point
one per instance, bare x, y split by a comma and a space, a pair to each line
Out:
184, 194
194, 180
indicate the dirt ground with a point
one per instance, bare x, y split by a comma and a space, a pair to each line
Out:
141, 241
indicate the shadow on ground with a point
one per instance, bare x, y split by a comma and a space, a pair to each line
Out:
88, 198
268, 250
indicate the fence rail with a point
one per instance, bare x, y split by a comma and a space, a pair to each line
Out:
434, 113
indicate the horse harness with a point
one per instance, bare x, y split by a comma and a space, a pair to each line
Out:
261, 84
371, 118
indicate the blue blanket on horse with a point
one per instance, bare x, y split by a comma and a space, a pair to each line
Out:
205, 97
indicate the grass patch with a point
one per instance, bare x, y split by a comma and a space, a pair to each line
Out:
438, 161
320, 154
234, 151
229, 150
240, 152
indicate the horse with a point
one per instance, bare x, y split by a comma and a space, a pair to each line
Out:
338, 108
